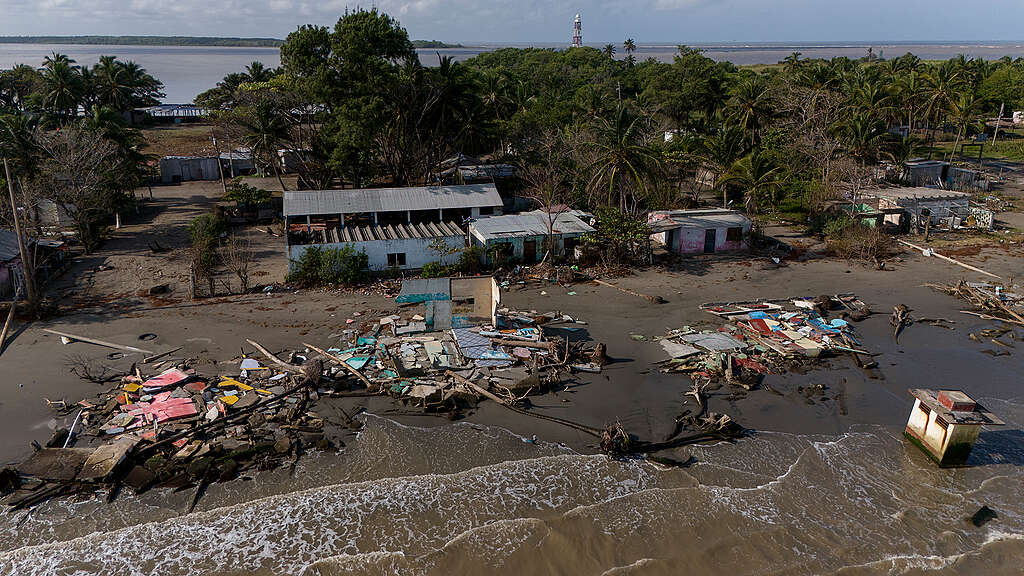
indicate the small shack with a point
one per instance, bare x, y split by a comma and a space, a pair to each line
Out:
175, 169
921, 172
10, 264
237, 163
452, 302
524, 236
946, 424
935, 207
700, 231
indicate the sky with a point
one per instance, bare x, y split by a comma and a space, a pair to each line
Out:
540, 21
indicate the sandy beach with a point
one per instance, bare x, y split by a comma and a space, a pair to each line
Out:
402, 458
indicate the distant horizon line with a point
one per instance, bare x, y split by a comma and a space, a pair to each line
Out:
269, 42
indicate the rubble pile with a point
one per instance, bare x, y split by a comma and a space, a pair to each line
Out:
173, 427
999, 302
763, 338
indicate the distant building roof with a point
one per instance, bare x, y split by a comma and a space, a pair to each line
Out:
529, 224
916, 194
399, 232
311, 202
486, 172
174, 110
8, 245
703, 219
921, 162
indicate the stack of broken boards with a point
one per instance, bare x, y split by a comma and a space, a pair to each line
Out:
761, 336
174, 429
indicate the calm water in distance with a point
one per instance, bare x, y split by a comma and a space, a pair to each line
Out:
188, 70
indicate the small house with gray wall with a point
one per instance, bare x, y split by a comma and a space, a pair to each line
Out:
936, 207
703, 231
396, 227
523, 236
175, 169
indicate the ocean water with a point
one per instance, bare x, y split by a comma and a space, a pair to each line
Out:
188, 70
468, 499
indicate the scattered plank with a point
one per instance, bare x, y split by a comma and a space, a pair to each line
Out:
98, 342
930, 252
155, 357
270, 356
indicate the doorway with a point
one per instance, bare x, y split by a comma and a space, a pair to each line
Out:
710, 238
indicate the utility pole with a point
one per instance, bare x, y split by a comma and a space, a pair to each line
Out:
30, 281
220, 166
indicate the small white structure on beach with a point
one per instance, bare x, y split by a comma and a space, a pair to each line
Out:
703, 231
946, 424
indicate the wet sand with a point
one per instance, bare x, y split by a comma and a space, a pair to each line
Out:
817, 489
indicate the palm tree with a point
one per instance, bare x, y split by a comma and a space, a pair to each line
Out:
257, 72
63, 86
111, 84
752, 107
792, 62
720, 151
941, 88
623, 157
862, 134
609, 50
760, 178
629, 46
964, 109
266, 131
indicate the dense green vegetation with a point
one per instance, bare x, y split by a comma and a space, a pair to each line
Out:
325, 266
144, 41
66, 136
594, 131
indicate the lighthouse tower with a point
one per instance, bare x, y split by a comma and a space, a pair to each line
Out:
577, 32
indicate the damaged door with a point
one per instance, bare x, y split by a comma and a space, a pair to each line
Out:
710, 238
529, 251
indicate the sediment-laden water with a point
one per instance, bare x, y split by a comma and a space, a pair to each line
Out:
466, 499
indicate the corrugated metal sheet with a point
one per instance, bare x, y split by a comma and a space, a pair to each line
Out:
703, 219
312, 202
402, 231
8, 245
916, 194
528, 224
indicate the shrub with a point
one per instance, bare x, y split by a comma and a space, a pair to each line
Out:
469, 260
205, 233
246, 194
434, 270
836, 225
320, 267
859, 242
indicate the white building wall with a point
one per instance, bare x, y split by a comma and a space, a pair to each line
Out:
417, 251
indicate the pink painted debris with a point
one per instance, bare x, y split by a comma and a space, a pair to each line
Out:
167, 378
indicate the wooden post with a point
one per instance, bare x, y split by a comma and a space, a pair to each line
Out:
220, 167
30, 280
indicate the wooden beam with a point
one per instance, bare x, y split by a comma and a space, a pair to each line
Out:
931, 252
341, 363
274, 359
99, 342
